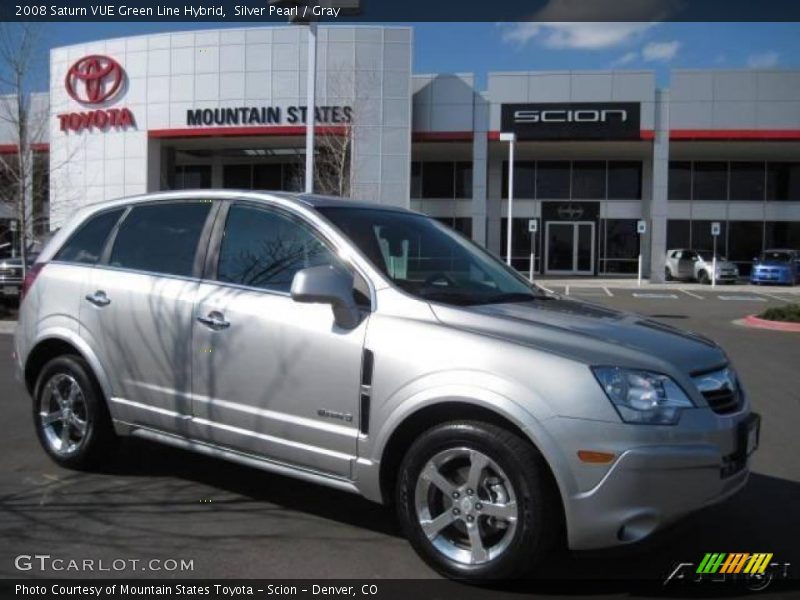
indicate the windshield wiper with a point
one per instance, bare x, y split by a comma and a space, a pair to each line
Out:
512, 297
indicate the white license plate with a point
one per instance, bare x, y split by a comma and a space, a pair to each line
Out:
9, 290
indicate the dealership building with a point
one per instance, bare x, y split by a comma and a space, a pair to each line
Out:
595, 152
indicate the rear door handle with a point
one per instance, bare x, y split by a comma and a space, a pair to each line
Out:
99, 298
215, 320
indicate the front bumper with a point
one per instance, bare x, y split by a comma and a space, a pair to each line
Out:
650, 486
773, 276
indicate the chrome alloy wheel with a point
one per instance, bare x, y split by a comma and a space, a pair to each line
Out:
466, 506
63, 414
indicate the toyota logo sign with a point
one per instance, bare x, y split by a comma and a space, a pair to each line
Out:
94, 79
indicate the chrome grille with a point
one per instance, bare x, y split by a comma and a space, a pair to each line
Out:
721, 390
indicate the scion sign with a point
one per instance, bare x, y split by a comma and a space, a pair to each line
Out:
573, 120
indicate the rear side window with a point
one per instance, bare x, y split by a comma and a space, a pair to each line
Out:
265, 249
87, 243
160, 238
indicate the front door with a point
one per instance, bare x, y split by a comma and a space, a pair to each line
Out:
273, 377
569, 249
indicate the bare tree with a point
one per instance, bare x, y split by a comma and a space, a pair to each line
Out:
24, 123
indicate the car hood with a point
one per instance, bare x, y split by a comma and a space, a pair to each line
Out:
589, 333
772, 264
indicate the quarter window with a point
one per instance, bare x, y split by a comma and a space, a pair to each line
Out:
160, 238
265, 249
86, 244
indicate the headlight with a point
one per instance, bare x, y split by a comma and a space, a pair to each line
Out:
643, 396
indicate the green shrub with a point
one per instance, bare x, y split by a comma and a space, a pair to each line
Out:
789, 313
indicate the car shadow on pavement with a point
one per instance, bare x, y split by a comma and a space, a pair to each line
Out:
763, 517
149, 459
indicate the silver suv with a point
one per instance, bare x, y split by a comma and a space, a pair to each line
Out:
376, 351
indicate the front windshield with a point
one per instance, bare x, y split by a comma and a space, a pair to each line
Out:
429, 260
708, 256
774, 256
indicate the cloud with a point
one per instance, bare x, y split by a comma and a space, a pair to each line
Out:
763, 60
625, 59
660, 51
652, 52
575, 36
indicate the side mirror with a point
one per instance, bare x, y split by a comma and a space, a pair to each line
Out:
328, 285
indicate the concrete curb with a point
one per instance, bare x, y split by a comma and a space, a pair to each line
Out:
754, 321
7, 327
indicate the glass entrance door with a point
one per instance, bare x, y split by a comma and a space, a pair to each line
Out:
569, 248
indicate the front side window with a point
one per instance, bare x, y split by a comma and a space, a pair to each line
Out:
265, 249
427, 259
87, 243
160, 238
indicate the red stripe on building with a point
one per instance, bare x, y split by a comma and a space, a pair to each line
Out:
245, 131
442, 136
12, 148
644, 134
735, 134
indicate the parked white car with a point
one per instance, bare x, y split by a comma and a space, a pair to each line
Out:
697, 265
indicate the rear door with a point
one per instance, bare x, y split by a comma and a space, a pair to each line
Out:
137, 310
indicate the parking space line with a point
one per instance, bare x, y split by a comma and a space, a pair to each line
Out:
655, 295
750, 298
774, 297
608, 292
566, 291
688, 293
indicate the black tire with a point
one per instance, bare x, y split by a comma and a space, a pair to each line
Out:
667, 274
98, 440
538, 506
702, 277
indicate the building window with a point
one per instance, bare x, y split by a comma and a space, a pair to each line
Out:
524, 179
745, 240
190, 177
679, 234
416, 179
553, 180
438, 180
520, 244
620, 250
237, 177
462, 225
624, 180
782, 234
783, 181
464, 179
703, 240
588, 180
710, 181
747, 181
680, 180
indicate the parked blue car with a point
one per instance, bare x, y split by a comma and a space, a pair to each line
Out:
776, 266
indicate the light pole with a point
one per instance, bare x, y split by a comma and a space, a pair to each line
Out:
510, 138
311, 88
311, 81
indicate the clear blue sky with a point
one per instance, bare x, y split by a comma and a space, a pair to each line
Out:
483, 47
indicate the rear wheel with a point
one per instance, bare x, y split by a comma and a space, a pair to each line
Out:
70, 415
703, 278
475, 501
667, 274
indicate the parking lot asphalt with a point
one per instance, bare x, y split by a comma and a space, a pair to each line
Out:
232, 521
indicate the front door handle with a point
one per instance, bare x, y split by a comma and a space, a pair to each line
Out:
99, 298
215, 320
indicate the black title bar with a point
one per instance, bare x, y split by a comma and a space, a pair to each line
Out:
385, 11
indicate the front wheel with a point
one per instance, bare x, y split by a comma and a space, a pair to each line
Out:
702, 277
667, 274
70, 415
476, 501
